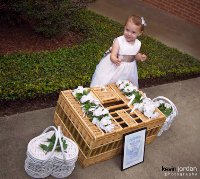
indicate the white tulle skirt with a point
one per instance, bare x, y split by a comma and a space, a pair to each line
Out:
107, 72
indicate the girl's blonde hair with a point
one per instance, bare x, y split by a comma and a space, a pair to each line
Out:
137, 20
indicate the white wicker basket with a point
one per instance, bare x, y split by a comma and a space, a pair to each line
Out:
58, 164
171, 117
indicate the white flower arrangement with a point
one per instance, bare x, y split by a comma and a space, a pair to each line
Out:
141, 102
164, 107
130, 91
93, 109
147, 107
169, 109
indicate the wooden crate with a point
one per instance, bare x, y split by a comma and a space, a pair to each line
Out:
95, 145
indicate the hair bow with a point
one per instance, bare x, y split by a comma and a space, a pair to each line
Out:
143, 21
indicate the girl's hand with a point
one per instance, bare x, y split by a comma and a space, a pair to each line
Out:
116, 61
140, 57
143, 57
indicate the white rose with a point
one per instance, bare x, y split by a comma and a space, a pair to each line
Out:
105, 121
105, 111
122, 86
97, 102
98, 111
118, 82
131, 97
146, 100
109, 128
84, 99
149, 108
161, 101
92, 99
155, 115
135, 88
136, 105
157, 104
80, 89
83, 109
140, 107
148, 114
95, 121
167, 105
128, 89
126, 82
92, 109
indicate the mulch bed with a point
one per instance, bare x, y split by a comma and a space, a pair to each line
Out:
17, 39
23, 39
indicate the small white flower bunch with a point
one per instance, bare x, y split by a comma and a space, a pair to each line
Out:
126, 86
147, 107
164, 107
79, 92
129, 90
90, 98
102, 119
92, 108
169, 109
142, 103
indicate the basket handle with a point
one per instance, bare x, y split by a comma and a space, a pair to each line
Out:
50, 127
56, 141
170, 102
61, 146
58, 134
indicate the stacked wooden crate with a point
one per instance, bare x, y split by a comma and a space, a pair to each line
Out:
95, 145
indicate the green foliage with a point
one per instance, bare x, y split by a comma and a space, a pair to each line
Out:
28, 75
164, 110
164, 61
86, 106
80, 95
48, 17
138, 97
49, 147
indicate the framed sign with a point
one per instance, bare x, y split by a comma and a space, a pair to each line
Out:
133, 148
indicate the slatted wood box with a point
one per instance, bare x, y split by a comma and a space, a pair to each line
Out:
95, 145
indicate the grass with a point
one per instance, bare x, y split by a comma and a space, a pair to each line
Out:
32, 75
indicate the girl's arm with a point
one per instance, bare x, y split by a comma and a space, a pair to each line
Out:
140, 57
114, 53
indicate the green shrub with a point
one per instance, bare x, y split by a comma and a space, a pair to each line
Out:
28, 75
48, 17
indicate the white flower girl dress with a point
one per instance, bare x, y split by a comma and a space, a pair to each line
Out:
107, 72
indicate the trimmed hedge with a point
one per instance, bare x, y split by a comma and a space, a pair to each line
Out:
29, 75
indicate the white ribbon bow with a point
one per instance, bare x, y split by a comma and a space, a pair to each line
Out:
131, 100
143, 21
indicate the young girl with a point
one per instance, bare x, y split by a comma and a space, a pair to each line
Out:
120, 62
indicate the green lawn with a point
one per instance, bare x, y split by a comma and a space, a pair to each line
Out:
28, 75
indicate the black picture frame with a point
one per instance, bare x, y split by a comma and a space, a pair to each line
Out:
133, 148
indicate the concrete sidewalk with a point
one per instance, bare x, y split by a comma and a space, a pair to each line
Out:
167, 28
179, 146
